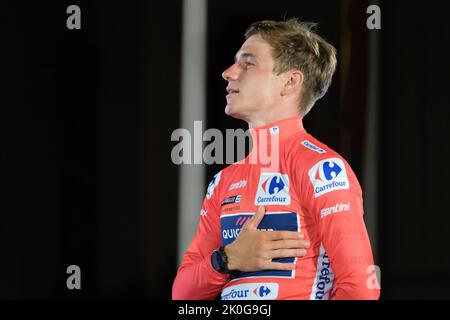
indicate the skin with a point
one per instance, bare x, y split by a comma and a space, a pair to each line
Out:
259, 96
263, 97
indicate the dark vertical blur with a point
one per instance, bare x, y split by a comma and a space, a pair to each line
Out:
414, 150
49, 154
140, 63
86, 122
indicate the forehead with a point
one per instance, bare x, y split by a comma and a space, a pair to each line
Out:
256, 46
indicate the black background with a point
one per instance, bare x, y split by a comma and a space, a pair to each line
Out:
86, 118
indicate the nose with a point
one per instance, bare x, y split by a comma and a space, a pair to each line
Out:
232, 73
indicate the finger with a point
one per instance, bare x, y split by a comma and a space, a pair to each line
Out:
279, 266
253, 222
281, 235
287, 253
289, 244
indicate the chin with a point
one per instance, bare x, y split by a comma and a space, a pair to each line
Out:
233, 112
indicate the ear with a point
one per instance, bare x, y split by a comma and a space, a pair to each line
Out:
293, 82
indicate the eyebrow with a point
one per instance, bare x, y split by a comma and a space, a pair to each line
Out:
245, 55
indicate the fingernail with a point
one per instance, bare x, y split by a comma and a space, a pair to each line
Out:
300, 235
307, 243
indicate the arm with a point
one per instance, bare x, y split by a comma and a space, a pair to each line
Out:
339, 217
196, 279
252, 250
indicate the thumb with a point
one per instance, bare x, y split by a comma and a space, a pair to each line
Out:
253, 223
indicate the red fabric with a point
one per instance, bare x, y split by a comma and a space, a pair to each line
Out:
312, 184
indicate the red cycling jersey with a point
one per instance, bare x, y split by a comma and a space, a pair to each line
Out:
312, 190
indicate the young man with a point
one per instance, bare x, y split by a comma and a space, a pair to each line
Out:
296, 230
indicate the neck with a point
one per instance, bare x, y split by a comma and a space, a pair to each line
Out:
266, 140
266, 119
283, 110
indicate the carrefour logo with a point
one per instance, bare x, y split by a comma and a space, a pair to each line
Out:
262, 291
328, 175
251, 291
273, 188
323, 282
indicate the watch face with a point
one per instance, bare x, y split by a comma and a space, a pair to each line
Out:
216, 261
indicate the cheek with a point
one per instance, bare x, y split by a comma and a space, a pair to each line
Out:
265, 91
259, 89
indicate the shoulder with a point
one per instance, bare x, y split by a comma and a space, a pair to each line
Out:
322, 167
308, 151
219, 180
213, 184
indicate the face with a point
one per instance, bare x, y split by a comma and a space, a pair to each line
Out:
253, 88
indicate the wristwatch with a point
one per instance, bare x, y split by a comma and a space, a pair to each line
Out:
219, 261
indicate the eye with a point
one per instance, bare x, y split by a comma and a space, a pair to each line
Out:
247, 64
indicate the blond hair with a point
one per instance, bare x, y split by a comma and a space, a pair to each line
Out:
295, 45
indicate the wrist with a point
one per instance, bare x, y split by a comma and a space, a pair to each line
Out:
230, 259
219, 262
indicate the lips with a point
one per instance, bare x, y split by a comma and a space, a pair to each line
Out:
232, 90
